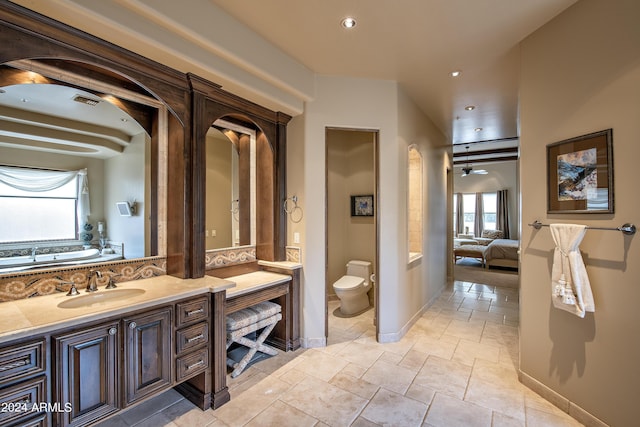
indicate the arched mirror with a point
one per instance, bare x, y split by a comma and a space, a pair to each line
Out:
78, 169
414, 202
231, 188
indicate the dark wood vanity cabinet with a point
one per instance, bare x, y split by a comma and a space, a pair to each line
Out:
23, 383
86, 373
147, 353
103, 368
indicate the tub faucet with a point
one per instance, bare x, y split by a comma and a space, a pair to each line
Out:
33, 253
92, 280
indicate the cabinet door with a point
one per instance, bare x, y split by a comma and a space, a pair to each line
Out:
147, 353
86, 370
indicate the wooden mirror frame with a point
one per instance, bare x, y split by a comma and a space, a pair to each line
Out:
43, 38
210, 103
194, 104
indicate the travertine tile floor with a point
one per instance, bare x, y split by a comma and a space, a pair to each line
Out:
457, 366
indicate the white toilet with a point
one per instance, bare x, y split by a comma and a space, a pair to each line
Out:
352, 289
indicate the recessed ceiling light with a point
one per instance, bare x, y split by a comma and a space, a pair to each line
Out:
478, 129
456, 73
470, 107
348, 22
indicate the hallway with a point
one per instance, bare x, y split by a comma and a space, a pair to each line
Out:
457, 366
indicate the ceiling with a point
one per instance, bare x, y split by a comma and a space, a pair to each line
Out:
415, 42
60, 118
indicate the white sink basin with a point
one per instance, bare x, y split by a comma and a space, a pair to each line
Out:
100, 298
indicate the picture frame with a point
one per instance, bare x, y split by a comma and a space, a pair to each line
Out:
362, 205
580, 174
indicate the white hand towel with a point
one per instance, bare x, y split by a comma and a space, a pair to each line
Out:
570, 285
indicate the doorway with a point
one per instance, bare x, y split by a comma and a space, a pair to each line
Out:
351, 218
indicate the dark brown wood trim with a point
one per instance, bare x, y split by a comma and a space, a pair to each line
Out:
219, 350
485, 160
486, 152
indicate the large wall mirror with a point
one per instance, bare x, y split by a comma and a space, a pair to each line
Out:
54, 122
231, 185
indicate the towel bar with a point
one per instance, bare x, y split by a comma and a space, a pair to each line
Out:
627, 229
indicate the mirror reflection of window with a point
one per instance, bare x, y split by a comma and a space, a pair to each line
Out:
65, 128
415, 203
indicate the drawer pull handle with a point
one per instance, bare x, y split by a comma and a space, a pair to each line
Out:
132, 325
196, 338
18, 363
194, 312
113, 331
195, 365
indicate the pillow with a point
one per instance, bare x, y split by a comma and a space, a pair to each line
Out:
492, 234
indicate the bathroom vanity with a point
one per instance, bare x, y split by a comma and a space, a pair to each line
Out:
84, 358
80, 359
74, 360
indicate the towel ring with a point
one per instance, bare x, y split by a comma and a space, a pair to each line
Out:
292, 209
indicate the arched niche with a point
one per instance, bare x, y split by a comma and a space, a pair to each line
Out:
28, 36
211, 103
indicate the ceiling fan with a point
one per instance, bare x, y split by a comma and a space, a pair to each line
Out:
468, 170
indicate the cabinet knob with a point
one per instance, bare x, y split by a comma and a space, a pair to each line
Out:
132, 325
113, 331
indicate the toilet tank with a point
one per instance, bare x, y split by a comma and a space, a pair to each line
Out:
359, 269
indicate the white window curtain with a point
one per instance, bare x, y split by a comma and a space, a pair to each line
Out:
38, 180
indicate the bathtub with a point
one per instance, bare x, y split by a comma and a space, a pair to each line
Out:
19, 263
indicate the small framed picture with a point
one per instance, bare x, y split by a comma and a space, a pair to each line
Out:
580, 174
362, 205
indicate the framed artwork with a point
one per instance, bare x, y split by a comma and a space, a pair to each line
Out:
362, 205
580, 174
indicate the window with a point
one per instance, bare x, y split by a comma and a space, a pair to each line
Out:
41, 206
469, 211
490, 207
489, 211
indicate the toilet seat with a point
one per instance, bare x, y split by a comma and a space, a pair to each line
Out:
346, 283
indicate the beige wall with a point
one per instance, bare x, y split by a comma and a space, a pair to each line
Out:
369, 105
350, 171
580, 74
126, 179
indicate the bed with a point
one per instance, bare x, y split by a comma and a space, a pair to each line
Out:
502, 253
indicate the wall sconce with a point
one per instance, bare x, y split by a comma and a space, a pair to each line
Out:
126, 208
292, 209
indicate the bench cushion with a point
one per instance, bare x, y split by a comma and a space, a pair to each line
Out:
250, 315
473, 251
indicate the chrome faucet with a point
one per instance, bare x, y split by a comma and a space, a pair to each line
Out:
92, 280
33, 253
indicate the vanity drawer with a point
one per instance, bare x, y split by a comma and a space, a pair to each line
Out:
17, 401
192, 364
21, 361
192, 337
192, 311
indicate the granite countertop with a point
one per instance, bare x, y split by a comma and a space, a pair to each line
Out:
40, 315
254, 281
288, 265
